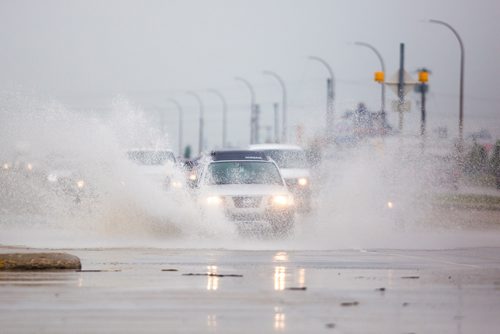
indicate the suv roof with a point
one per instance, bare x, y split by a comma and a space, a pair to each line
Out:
238, 155
259, 147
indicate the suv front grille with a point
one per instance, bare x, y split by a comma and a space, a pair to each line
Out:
247, 202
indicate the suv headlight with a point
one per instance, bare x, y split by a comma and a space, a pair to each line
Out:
303, 181
282, 200
214, 200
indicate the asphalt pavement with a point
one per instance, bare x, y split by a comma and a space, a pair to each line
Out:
257, 291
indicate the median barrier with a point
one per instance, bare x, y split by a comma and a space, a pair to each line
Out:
39, 261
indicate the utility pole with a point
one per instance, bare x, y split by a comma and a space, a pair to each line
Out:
401, 84
257, 124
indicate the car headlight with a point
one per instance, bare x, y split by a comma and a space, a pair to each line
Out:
303, 182
176, 184
214, 200
192, 176
282, 200
80, 184
5, 166
52, 177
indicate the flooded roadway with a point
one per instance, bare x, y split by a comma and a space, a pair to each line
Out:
143, 290
153, 264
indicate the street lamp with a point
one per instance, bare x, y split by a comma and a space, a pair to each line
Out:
179, 108
224, 115
382, 65
330, 94
252, 107
462, 65
284, 134
200, 133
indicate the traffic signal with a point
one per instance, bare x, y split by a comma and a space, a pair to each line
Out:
379, 77
423, 76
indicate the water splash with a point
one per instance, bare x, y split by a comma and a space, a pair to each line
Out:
65, 150
378, 194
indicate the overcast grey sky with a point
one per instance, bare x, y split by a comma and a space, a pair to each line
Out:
84, 52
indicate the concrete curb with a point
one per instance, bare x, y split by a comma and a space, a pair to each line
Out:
39, 261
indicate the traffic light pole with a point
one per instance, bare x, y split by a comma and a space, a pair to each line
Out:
423, 90
401, 84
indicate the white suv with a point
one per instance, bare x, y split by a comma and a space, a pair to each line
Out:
248, 187
292, 162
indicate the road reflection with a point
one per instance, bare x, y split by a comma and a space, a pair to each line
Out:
212, 322
279, 319
279, 278
280, 271
212, 280
284, 277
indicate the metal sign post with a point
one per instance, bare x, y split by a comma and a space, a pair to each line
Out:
401, 84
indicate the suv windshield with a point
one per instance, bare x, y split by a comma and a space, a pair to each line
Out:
243, 172
151, 158
288, 158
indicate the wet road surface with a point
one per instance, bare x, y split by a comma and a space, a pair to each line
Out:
193, 291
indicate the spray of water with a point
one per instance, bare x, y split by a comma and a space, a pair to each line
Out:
387, 193
67, 180
379, 194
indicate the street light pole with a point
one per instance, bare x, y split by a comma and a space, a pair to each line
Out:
252, 107
284, 132
200, 132
179, 108
462, 67
224, 115
276, 121
382, 65
330, 89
